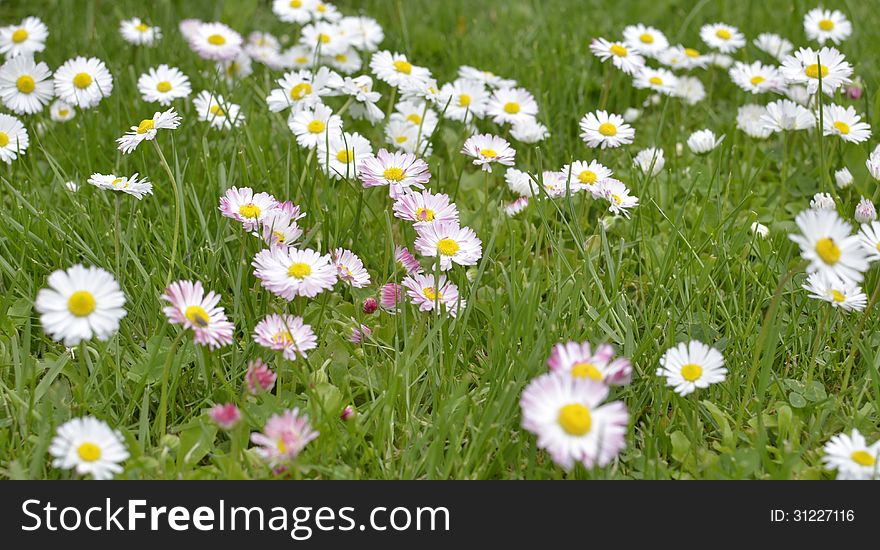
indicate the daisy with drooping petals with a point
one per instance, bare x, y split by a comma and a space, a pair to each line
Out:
463, 100
449, 242
218, 112
647, 40
826, 242
147, 130
61, 111
395, 69
852, 457
195, 310
215, 41
284, 436
280, 227
350, 268
845, 295
259, 377
89, 446
287, 334
773, 44
361, 90
342, 153
691, 365
241, 204
571, 421
650, 161
659, 80
25, 87
163, 84
420, 90
399, 171
578, 360
26, 38
804, 67
617, 195
511, 105
703, 141
822, 201
425, 207
294, 11
844, 178
312, 126
585, 175
869, 238
14, 139
625, 57
135, 31
721, 37
83, 82
79, 304
822, 25
406, 260
529, 130
785, 115
844, 123
486, 149
756, 78
291, 272
605, 130
128, 185
428, 290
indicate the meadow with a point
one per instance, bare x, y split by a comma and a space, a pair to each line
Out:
425, 395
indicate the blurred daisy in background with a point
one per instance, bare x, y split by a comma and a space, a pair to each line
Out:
128, 185
659, 80
626, 58
135, 31
235, 69
215, 41
774, 45
363, 33
259, 377
786, 115
529, 131
90, 447
827, 243
83, 82
869, 239
25, 86
284, 436
197, 311
649, 41
722, 37
60, 111
25, 38
294, 11
163, 84
750, 119
703, 141
822, 25
690, 89
691, 365
217, 111
579, 360
650, 161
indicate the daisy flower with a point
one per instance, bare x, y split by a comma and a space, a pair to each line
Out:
404, 136
721, 37
60, 111
325, 12
14, 139
83, 82
579, 360
487, 78
703, 141
554, 183
361, 90
364, 33
395, 69
79, 304
147, 130
804, 68
844, 177
625, 57
215, 41
586, 174
135, 31
822, 25
449, 242
25, 87
279, 226
312, 126
225, 415
511, 105
425, 208
430, 290
521, 182
756, 78
284, 436
299, 90
487, 149
89, 446
463, 100
845, 295
241, 204
350, 268
259, 377
359, 333
617, 195
399, 171
773, 44
845, 123
407, 261
659, 80
647, 40
235, 69
601, 129
691, 365
826, 242
294, 11
571, 421
650, 161
852, 457
517, 206
26, 38
785, 115
128, 185
690, 89
390, 296
163, 84
823, 201
218, 112
417, 114
347, 62
529, 130
326, 38
750, 119
760, 230
873, 166
195, 310
287, 334
869, 239
291, 272
342, 153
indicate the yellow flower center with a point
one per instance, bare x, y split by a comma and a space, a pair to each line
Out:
282, 448
447, 247
345, 156
425, 214
691, 372
146, 125
488, 153
322, 8
588, 177
618, 50
646, 38
341, 58
116, 182
300, 90
324, 38
393, 174
575, 419
723, 34
607, 129
296, 3
197, 316
404, 67
586, 370
216, 110
690, 52
82, 80
837, 296
431, 294
464, 100
656, 81
316, 126
81, 303
616, 198
299, 270
828, 250
63, 113
164, 86
842, 127
813, 70
249, 210
89, 452
283, 337
19, 36
511, 108
232, 69
826, 24
142, 27
4, 139
863, 458
25, 84
217, 39
757, 79
301, 60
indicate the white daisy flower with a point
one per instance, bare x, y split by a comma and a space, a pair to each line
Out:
280, 227
760, 230
511, 105
235, 69
605, 130
827, 243
214, 109
215, 41
773, 44
361, 89
487, 78
25, 86
869, 239
487, 149
722, 37
419, 114
585, 175
89, 446
247, 207
845, 295
341, 156
517, 206
721, 60
659, 80
325, 12
26, 38
294, 11
852, 457
463, 100
128, 185
303, 90
822, 25
420, 90
823, 201
80, 303
291, 272
873, 166
298, 57
350, 269
163, 84
703, 141
395, 69
691, 365
750, 119
425, 208
786, 115
364, 33
135, 31
844, 177
647, 40
312, 126
804, 68
690, 89
529, 131
83, 82
449, 242
325, 38
680, 58
147, 130
347, 62
650, 161
845, 123
757, 78
617, 195
61, 111
405, 136
14, 139
626, 58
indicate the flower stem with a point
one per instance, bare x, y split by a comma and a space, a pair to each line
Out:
176, 212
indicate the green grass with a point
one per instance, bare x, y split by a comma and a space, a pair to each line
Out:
436, 397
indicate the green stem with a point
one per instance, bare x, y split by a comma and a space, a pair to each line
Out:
163, 397
176, 212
